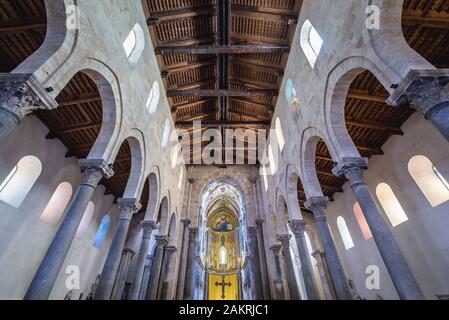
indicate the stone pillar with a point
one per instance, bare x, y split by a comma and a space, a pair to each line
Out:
326, 279
146, 277
161, 242
164, 291
318, 205
122, 273
45, 277
298, 228
255, 256
278, 283
20, 95
400, 273
263, 259
289, 267
193, 239
128, 207
148, 227
430, 96
183, 261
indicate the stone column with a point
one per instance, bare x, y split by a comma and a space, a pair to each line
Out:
278, 283
318, 205
20, 95
146, 277
128, 207
191, 252
289, 267
164, 291
263, 259
252, 232
148, 227
161, 242
183, 261
430, 96
45, 277
122, 273
298, 228
400, 273
326, 279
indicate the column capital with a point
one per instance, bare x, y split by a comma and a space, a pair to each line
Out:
21, 94
422, 89
351, 167
128, 207
317, 204
276, 248
170, 250
284, 239
161, 240
94, 170
298, 227
186, 222
129, 250
253, 179
191, 180
148, 226
260, 222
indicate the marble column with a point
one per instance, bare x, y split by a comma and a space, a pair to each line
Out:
289, 267
128, 207
20, 95
430, 96
164, 291
161, 242
255, 256
400, 273
326, 279
318, 205
148, 227
183, 261
263, 259
278, 283
46, 275
191, 252
122, 273
298, 228
146, 277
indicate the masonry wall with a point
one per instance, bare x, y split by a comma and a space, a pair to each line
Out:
24, 238
423, 239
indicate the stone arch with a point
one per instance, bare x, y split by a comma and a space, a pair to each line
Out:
153, 197
309, 141
172, 229
162, 216
292, 177
135, 182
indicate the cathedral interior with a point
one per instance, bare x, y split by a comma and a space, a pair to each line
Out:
224, 149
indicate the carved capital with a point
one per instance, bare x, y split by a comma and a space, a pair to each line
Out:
191, 181
186, 222
426, 93
128, 207
94, 171
21, 94
161, 240
148, 226
284, 239
170, 250
298, 227
276, 248
259, 222
317, 204
351, 168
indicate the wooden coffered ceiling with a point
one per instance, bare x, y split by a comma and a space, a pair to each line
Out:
242, 49
222, 62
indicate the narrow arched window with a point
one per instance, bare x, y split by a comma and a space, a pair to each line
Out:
429, 180
344, 233
272, 160
362, 221
166, 134
153, 98
223, 256
134, 44
265, 177
390, 204
18, 183
85, 221
58, 203
102, 232
175, 156
311, 42
280, 134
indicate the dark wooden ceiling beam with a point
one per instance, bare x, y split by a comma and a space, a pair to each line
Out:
366, 96
223, 93
18, 26
377, 125
218, 123
224, 49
